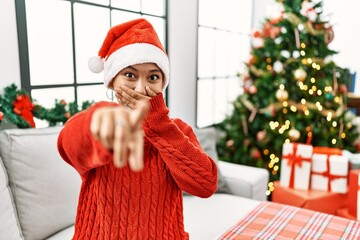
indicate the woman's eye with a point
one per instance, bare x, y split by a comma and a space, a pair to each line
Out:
129, 75
154, 77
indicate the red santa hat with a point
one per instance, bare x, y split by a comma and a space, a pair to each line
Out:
130, 43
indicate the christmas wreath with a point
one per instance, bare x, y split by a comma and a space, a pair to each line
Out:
17, 107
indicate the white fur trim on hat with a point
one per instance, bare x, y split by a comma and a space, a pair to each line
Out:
96, 64
133, 54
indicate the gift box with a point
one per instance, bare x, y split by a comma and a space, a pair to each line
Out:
321, 201
329, 170
296, 165
354, 193
344, 212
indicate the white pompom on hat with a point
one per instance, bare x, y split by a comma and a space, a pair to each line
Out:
127, 44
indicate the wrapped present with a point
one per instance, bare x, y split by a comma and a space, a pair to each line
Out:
354, 193
344, 212
321, 201
354, 159
296, 165
329, 171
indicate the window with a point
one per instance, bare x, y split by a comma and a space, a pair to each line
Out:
223, 45
57, 37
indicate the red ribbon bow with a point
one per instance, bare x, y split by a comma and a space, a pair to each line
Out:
23, 107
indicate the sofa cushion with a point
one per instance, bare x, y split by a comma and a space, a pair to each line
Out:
9, 226
45, 189
207, 138
65, 234
209, 218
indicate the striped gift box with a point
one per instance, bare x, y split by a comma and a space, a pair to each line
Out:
284, 222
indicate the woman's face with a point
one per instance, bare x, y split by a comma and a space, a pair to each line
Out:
139, 76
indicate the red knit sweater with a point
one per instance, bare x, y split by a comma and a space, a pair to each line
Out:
122, 204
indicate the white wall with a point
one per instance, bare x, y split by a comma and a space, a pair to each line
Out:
9, 58
182, 52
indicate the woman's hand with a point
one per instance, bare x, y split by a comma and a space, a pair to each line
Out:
120, 129
130, 98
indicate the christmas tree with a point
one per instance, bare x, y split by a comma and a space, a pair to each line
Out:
293, 90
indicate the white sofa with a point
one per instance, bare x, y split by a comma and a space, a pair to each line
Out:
39, 191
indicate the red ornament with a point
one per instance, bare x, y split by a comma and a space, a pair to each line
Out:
255, 153
256, 34
270, 30
1, 116
343, 88
23, 107
67, 115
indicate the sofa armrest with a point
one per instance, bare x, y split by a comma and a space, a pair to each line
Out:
245, 181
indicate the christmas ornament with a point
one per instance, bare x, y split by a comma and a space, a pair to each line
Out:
270, 30
282, 95
300, 74
275, 12
230, 143
257, 42
248, 83
252, 89
294, 134
255, 153
296, 54
1, 116
329, 96
343, 88
307, 10
261, 135
329, 35
285, 53
278, 67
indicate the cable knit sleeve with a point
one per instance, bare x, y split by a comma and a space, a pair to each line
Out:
192, 169
77, 146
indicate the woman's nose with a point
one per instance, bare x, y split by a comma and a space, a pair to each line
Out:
140, 86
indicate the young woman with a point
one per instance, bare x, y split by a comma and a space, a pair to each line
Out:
133, 159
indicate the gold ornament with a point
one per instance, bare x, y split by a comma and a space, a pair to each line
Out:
294, 134
282, 95
300, 74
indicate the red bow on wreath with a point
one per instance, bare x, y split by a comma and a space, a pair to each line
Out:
23, 107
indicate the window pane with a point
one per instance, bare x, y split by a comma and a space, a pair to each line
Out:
222, 50
118, 17
159, 26
206, 47
234, 15
46, 97
239, 46
155, 7
50, 42
205, 103
133, 5
222, 100
93, 93
207, 12
90, 33
102, 2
